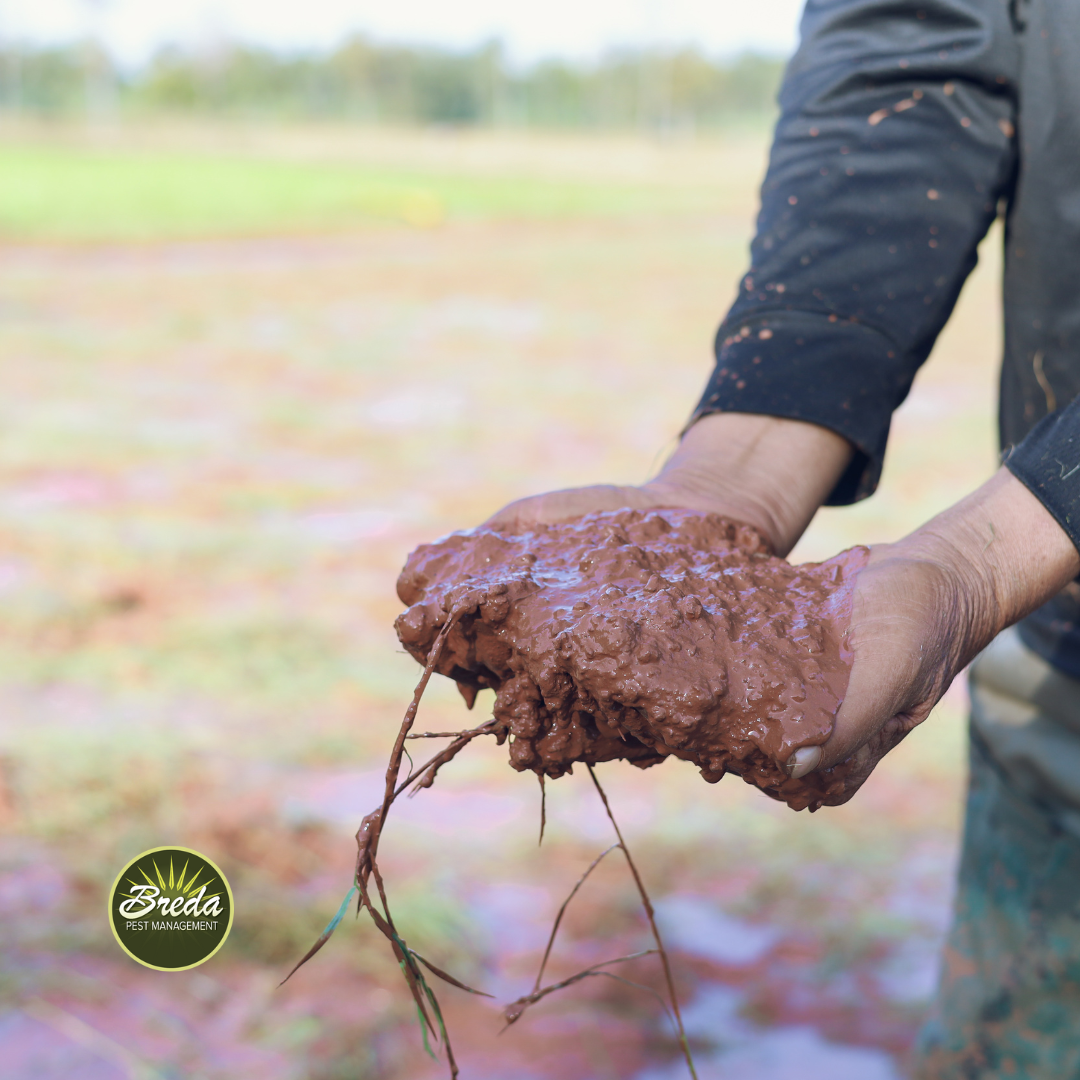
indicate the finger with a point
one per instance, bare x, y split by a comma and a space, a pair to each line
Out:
557, 506
805, 760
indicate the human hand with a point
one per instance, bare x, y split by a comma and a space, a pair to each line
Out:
764, 471
924, 607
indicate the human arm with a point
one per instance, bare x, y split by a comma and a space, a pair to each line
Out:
926, 605
765, 471
894, 146
891, 153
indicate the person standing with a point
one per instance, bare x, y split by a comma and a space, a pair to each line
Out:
905, 129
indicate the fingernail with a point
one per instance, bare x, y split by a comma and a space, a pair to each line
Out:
803, 761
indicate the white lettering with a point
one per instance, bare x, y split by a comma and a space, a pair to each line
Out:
211, 907
192, 906
198, 924
141, 903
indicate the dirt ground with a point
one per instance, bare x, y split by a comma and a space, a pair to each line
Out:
215, 455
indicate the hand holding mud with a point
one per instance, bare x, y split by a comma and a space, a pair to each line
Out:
924, 607
650, 631
921, 609
768, 473
641, 635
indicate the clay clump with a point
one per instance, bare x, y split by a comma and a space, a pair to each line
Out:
643, 635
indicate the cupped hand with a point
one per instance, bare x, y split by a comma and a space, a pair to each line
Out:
924, 607
910, 634
555, 506
763, 471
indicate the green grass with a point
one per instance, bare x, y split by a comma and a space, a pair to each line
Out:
63, 193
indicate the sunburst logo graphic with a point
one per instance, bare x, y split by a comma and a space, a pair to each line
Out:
170, 908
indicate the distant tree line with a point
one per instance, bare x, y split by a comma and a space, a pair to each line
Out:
366, 82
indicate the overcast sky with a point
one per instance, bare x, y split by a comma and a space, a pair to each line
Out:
531, 29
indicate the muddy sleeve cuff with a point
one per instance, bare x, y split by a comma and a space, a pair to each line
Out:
1047, 463
838, 374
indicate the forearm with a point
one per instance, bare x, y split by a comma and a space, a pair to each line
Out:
1006, 550
765, 471
893, 147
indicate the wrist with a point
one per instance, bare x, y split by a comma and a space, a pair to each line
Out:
1003, 553
766, 471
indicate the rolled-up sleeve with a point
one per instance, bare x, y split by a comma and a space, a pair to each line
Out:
894, 144
1047, 462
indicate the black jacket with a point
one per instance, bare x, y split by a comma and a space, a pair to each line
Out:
905, 128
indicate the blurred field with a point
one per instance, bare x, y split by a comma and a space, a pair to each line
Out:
242, 379
172, 181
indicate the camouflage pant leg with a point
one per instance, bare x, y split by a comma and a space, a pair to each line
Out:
1009, 1000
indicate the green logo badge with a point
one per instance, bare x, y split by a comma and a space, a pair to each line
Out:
170, 908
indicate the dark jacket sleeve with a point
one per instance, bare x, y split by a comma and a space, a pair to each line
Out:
894, 144
1047, 462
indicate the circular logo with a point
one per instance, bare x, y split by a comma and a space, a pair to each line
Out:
170, 908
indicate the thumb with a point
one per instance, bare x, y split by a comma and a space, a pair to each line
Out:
899, 656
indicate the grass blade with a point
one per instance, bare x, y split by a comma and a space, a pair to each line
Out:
515, 1009
324, 937
651, 915
562, 911
543, 810
448, 978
